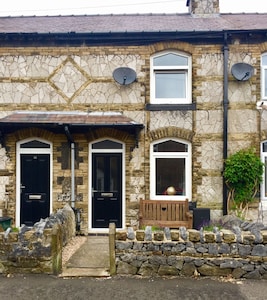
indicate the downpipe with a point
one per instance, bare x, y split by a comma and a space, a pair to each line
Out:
77, 211
225, 118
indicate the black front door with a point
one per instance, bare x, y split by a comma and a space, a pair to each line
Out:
34, 188
107, 189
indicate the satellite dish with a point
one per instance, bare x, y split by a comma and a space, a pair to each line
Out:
124, 75
242, 71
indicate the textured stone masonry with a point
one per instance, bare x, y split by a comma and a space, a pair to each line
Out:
192, 253
37, 249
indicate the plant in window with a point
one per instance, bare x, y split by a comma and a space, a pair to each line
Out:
243, 174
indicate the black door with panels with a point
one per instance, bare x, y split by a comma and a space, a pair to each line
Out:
34, 187
106, 189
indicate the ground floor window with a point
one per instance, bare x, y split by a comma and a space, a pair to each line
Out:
170, 174
264, 160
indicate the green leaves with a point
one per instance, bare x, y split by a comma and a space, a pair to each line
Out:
243, 174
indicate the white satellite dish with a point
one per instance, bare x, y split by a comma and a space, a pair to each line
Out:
242, 71
124, 75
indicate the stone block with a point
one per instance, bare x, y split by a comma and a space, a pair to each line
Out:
167, 271
194, 235
126, 269
209, 237
208, 270
238, 273
175, 235
253, 275
121, 235
228, 236
248, 238
188, 269
147, 269
259, 250
158, 236
264, 236
140, 235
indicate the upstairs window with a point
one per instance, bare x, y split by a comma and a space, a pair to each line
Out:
170, 78
264, 76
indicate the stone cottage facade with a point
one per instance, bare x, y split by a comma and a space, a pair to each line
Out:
101, 111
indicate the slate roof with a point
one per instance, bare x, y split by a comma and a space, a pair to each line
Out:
96, 118
134, 23
78, 121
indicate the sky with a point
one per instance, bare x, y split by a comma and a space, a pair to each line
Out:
81, 7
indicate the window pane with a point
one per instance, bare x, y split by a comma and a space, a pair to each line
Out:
114, 175
265, 174
265, 83
264, 147
34, 144
170, 172
170, 85
170, 60
100, 171
107, 144
264, 60
170, 146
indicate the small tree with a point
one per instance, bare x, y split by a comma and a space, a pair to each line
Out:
243, 174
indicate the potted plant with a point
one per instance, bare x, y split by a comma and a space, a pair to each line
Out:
243, 175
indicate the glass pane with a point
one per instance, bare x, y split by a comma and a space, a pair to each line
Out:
34, 144
170, 85
170, 172
100, 171
170, 146
264, 147
107, 144
264, 59
265, 83
170, 60
265, 174
114, 174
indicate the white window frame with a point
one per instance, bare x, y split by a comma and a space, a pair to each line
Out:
264, 179
187, 70
188, 169
263, 77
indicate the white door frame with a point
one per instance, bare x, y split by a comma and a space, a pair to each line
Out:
90, 194
18, 171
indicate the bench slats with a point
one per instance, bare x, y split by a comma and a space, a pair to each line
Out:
165, 213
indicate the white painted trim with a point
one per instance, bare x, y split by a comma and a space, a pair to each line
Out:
187, 69
188, 170
90, 153
20, 151
263, 68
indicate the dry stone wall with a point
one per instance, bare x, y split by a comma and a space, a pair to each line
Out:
37, 249
240, 254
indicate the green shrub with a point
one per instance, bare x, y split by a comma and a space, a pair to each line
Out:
243, 175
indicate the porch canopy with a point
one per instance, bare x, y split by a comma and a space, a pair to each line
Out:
68, 122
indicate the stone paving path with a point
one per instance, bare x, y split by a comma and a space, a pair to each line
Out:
90, 260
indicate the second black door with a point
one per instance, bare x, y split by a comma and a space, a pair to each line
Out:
106, 189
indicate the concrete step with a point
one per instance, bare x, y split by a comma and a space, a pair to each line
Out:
84, 272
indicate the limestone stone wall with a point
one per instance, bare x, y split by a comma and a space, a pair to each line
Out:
37, 249
192, 253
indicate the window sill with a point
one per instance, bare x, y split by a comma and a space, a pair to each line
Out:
162, 107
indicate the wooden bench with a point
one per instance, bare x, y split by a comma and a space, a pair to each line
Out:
165, 213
